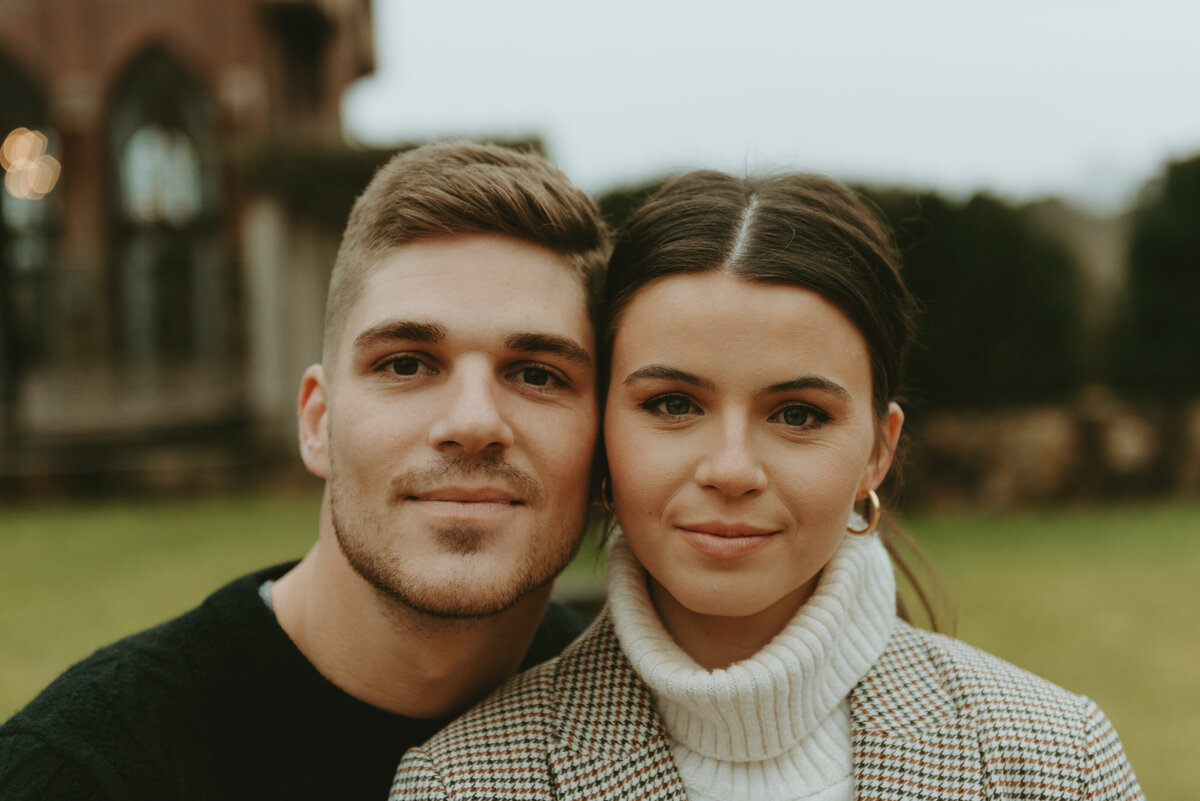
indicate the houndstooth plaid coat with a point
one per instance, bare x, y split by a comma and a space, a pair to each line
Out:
933, 719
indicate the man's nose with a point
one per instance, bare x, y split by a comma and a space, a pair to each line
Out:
472, 420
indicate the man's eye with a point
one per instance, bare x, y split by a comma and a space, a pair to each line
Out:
535, 376
541, 377
405, 365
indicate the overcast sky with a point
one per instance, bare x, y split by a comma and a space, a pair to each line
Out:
1024, 98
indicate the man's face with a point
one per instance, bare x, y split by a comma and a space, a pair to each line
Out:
460, 423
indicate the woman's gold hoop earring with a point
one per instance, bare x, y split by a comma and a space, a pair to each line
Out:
876, 512
606, 499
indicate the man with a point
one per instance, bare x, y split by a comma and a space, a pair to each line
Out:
453, 418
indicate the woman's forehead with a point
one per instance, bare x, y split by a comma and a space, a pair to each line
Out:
713, 321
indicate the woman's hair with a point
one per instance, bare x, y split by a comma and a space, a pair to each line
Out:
797, 230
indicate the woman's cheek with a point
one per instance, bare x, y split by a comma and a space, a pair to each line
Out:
643, 486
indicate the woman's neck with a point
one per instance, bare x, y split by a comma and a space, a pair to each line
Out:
785, 703
716, 641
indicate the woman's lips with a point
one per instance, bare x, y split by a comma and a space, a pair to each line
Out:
721, 528
721, 540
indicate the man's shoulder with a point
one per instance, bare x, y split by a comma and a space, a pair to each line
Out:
33, 768
166, 655
120, 705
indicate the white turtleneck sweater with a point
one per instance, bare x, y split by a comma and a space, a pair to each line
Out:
777, 725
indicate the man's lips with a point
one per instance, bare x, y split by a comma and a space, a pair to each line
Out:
468, 495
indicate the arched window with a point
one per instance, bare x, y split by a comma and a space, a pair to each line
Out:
30, 170
175, 292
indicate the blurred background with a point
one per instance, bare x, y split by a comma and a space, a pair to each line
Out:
176, 174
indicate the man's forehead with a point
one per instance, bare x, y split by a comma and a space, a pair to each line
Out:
466, 281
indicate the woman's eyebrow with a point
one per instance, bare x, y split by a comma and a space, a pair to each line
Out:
661, 371
808, 382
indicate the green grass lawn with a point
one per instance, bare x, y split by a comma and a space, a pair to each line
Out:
1105, 601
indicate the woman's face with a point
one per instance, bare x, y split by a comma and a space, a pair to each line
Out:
740, 432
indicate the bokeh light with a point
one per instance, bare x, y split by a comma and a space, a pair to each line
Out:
30, 173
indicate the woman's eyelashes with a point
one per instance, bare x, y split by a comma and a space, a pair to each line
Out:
798, 416
671, 406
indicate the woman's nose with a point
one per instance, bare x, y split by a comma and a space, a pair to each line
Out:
733, 468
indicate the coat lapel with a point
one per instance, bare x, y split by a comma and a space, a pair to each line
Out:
908, 739
608, 741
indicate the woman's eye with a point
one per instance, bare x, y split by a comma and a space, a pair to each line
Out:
672, 406
677, 406
798, 416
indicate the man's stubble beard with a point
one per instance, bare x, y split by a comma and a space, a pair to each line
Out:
373, 553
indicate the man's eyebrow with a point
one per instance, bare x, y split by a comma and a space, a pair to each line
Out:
808, 382
661, 371
538, 342
391, 331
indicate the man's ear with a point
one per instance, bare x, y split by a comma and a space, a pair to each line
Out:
313, 405
886, 441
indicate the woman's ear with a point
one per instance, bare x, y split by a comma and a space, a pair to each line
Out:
887, 439
313, 405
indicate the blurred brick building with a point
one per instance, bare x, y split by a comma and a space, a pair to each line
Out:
159, 293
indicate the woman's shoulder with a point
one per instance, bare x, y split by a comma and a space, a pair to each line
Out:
932, 689
491, 738
524, 703
935, 678
979, 683
504, 737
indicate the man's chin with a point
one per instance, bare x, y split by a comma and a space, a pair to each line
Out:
454, 600
455, 576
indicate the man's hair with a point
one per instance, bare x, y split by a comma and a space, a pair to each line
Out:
457, 188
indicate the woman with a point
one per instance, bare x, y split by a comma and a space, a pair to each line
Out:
750, 647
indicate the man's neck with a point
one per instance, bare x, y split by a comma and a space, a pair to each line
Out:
394, 658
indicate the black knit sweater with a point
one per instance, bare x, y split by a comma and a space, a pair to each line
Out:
215, 704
